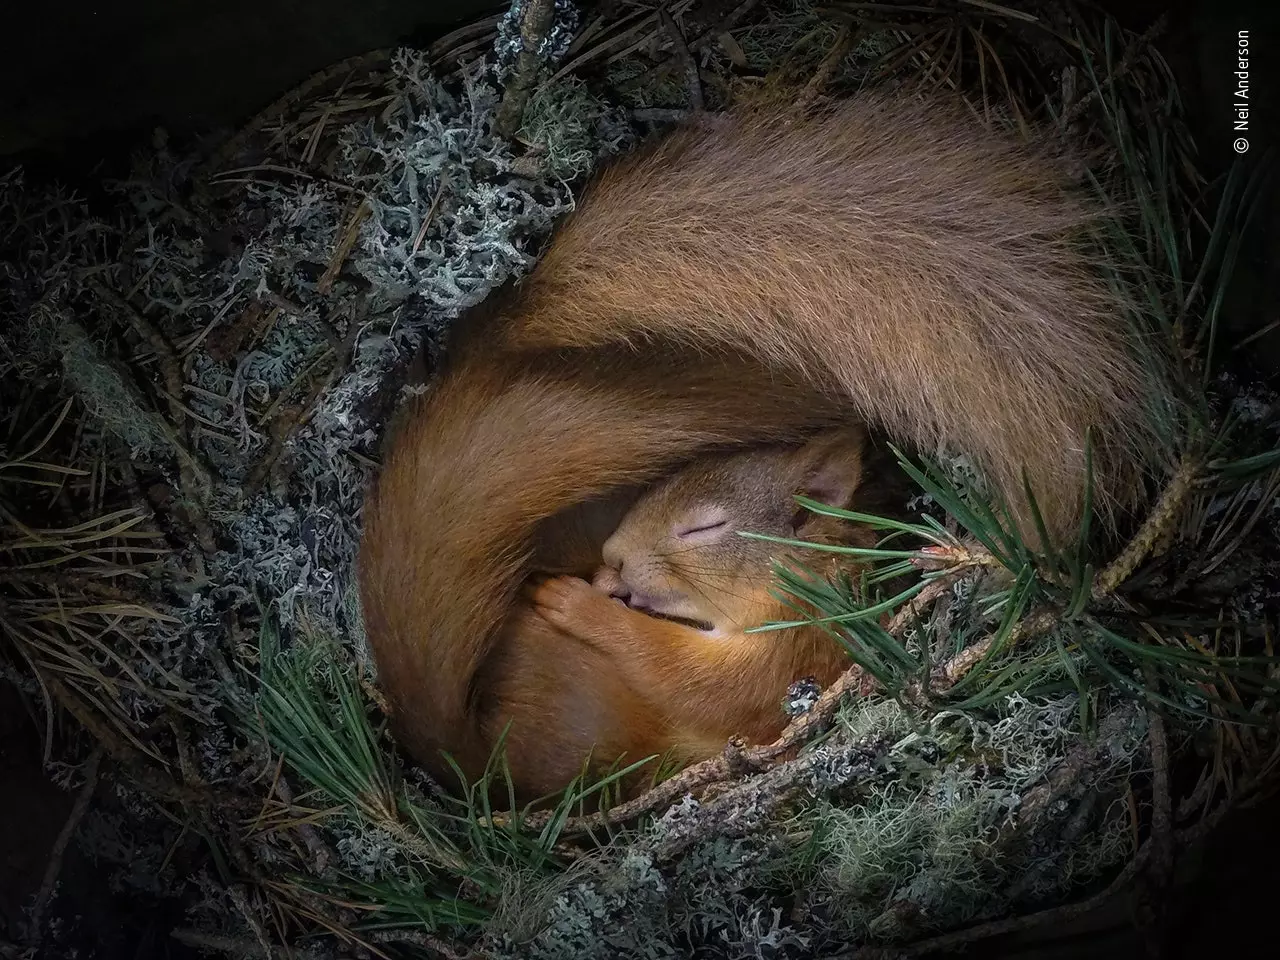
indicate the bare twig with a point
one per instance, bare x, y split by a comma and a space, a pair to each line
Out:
1157, 874
418, 938
58, 853
688, 64
845, 41
237, 947
364, 61
321, 855
750, 801
241, 899
285, 429
948, 674
170, 365
996, 928
197, 483
535, 25
430, 217
725, 24
1139, 45
660, 114
1161, 795
143, 773
343, 248
1153, 855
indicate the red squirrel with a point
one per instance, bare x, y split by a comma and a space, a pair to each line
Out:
680, 587
880, 262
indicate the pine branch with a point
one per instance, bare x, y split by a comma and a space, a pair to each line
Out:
1155, 530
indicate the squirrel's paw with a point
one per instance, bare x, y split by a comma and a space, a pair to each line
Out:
567, 602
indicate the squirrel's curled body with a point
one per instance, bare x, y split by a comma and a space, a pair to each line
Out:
736, 283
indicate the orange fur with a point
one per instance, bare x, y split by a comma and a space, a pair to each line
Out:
889, 249
893, 264
476, 479
678, 553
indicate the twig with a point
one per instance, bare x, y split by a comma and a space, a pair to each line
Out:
284, 430
1139, 44
996, 928
1154, 880
241, 900
659, 114
484, 29
1199, 797
1155, 854
1163, 518
1161, 796
690, 66
56, 855
750, 802
194, 475
726, 23
227, 176
343, 249
170, 365
430, 217
238, 947
145, 775
644, 22
535, 25
1078, 760
363, 61
1081, 758
319, 850
948, 674
845, 40
418, 938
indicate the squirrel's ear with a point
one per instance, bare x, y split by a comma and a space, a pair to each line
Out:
834, 467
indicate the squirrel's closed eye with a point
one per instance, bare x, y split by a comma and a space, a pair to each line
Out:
702, 526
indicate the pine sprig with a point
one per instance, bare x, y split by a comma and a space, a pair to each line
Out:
987, 655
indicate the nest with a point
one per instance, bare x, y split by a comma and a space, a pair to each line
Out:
197, 375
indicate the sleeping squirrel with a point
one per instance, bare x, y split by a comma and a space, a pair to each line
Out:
880, 262
680, 587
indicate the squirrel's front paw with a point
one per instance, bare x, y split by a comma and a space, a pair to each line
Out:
567, 602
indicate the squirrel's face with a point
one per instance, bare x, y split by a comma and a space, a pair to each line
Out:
679, 553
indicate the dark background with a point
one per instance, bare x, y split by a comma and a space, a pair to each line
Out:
81, 82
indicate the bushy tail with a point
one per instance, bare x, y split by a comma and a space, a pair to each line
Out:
894, 251
497, 446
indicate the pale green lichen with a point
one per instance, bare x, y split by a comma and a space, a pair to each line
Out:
920, 851
919, 845
571, 128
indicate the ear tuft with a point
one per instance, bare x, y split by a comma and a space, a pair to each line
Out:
834, 467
